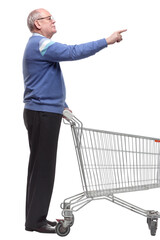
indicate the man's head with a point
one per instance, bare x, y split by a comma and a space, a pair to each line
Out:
41, 21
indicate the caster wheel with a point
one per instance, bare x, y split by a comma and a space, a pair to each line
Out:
61, 231
71, 224
153, 227
149, 222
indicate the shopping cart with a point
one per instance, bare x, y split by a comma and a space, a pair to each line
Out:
111, 163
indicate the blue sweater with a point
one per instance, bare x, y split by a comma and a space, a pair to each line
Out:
43, 79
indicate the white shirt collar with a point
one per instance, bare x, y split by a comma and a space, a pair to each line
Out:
37, 34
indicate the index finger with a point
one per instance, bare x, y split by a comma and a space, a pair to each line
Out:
121, 31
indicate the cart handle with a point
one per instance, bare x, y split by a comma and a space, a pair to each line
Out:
73, 121
68, 115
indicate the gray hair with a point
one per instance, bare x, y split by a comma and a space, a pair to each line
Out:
34, 15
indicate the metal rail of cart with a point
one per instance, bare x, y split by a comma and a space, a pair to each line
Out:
111, 163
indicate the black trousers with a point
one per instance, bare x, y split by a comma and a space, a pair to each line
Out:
43, 131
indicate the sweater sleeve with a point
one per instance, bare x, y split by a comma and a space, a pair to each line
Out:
57, 52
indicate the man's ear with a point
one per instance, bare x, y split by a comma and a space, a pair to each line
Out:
37, 24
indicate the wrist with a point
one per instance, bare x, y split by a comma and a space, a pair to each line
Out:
108, 41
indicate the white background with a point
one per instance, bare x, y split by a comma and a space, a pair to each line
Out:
115, 90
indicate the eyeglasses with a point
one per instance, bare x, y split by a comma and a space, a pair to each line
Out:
48, 18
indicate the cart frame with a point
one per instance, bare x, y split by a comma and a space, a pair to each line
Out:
111, 163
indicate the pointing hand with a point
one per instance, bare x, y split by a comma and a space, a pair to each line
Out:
115, 37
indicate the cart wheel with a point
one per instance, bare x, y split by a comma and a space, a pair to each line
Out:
153, 227
149, 222
61, 231
73, 219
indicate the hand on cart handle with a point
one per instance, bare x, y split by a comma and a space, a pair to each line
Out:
67, 114
115, 37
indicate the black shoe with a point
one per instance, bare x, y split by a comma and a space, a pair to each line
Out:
43, 229
53, 224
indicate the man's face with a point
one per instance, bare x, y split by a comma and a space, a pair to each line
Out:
46, 24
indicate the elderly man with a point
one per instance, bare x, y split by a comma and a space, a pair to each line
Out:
44, 99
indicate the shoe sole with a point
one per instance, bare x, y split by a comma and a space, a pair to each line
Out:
29, 229
32, 230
